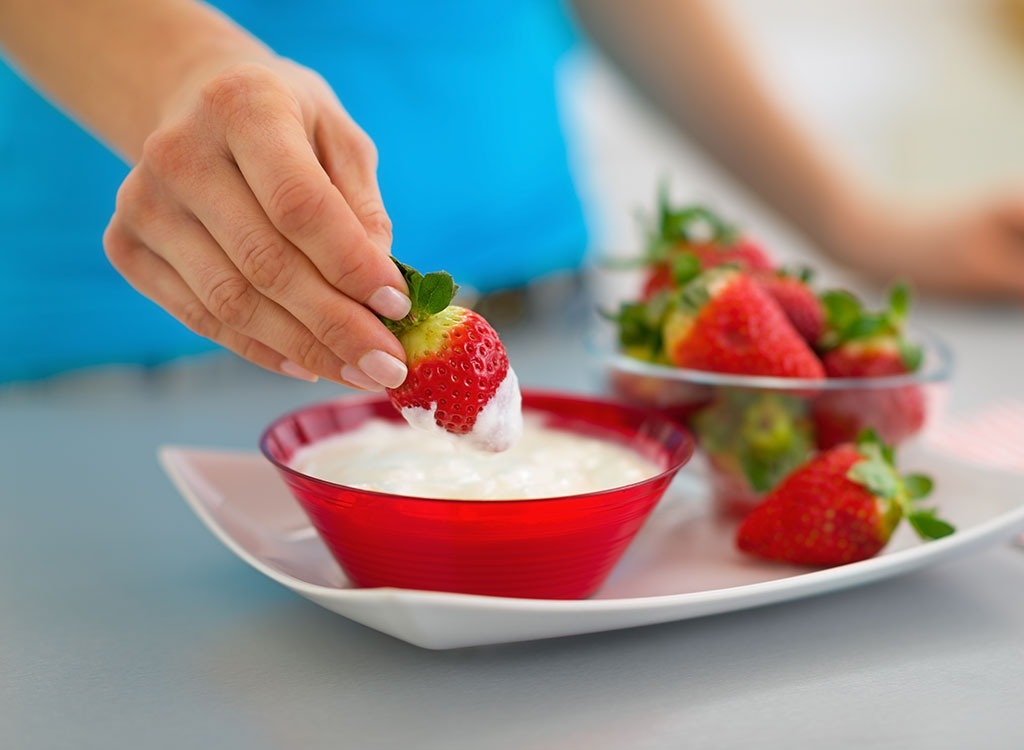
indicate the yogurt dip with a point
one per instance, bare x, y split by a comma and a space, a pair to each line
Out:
498, 425
391, 457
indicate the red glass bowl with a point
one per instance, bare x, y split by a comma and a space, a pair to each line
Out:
548, 548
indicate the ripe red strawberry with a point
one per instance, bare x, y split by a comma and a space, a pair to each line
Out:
841, 506
798, 300
752, 438
692, 239
459, 376
864, 345
723, 321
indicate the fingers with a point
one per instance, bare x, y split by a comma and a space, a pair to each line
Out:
232, 223
272, 149
269, 267
350, 159
154, 278
1011, 211
200, 287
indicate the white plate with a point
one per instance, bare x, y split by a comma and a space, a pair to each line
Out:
682, 564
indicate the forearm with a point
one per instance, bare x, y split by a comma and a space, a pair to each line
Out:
685, 58
120, 66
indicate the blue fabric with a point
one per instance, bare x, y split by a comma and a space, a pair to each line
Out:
459, 96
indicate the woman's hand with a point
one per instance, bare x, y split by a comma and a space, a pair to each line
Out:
974, 251
254, 217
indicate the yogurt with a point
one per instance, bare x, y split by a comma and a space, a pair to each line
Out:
545, 462
498, 425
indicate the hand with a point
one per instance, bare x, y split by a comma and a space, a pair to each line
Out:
254, 217
975, 252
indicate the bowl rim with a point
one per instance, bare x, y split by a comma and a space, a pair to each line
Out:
938, 371
651, 414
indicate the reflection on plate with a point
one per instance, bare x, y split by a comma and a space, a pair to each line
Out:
682, 564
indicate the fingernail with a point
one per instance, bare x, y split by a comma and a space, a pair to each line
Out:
390, 303
383, 368
355, 376
293, 370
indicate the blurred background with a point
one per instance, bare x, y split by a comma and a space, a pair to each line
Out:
925, 98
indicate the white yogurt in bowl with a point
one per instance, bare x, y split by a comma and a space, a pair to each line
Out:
388, 456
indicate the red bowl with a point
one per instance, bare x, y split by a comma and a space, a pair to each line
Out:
547, 548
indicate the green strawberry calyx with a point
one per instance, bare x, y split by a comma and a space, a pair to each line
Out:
765, 435
429, 294
898, 494
672, 231
693, 223
847, 321
641, 325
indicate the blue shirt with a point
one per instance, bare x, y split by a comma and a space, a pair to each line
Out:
458, 95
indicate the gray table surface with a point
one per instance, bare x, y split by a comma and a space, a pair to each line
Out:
125, 624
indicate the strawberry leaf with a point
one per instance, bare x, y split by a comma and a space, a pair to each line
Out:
911, 355
685, 267
846, 320
803, 274
638, 327
876, 470
428, 294
899, 303
917, 486
436, 292
693, 223
875, 474
928, 525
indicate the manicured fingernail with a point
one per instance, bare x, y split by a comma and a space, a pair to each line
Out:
293, 370
390, 303
354, 376
383, 368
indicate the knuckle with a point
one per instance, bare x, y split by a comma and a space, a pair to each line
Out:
333, 330
375, 219
198, 319
263, 259
307, 351
137, 200
230, 299
364, 150
119, 249
252, 350
353, 267
232, 93
295, 203
167, 151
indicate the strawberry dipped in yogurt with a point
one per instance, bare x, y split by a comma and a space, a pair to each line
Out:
460, 382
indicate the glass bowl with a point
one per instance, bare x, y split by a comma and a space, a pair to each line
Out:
751, 431
547, 548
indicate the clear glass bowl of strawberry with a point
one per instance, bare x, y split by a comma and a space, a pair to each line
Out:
546, 548
753, 430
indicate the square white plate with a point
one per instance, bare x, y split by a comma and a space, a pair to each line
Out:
681, 565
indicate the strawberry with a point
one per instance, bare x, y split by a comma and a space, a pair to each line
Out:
841, 506
793, 292
723, 321
692, 239
459, 376
861, 344
752, 438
